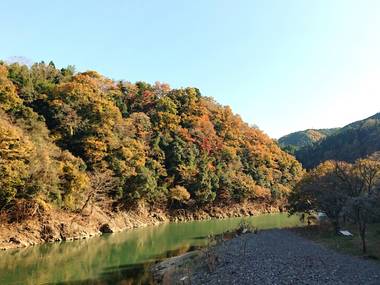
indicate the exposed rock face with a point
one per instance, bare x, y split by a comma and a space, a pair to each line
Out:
61, 226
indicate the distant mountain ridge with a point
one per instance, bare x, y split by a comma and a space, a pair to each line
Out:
304, 138
353, 141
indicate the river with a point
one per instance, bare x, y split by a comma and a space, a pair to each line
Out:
121, 258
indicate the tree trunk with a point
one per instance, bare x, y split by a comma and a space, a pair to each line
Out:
336, 226
362, 231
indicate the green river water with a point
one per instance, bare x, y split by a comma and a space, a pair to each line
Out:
121, 258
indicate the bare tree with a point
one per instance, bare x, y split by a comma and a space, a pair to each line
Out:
369, 171
102, 182
363, 175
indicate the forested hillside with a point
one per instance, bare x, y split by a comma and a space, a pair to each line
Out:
69, 140
356, 140
294, 141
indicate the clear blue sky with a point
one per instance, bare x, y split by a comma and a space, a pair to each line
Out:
283, 65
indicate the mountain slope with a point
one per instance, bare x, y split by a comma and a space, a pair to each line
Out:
90, 140
356, 140
305, 138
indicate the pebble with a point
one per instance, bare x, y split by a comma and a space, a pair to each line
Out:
281, 257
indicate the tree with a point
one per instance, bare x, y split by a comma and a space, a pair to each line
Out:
74, 185
9, 99
142, 186
369, 172
361, 210
340, 188
178, 195
360, 207
320, 190
102, 183
15, 151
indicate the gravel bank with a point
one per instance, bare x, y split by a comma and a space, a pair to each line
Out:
282, 257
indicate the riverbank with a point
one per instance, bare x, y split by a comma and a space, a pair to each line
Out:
56, 226
120, 258
352, 245
274, 257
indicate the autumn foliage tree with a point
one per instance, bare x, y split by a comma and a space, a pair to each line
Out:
159, 146
340, 189
320, 190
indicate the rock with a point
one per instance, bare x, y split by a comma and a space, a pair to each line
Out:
160, 269
47, 233
15, 240
106, 229
160, 217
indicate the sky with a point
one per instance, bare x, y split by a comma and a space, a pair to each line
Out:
282, 65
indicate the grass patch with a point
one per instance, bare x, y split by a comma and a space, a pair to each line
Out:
351, 245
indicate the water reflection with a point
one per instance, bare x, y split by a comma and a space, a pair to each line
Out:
121, 258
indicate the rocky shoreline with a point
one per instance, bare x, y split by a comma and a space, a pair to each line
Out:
269, 257
57, 226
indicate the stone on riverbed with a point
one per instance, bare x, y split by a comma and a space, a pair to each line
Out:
106, 229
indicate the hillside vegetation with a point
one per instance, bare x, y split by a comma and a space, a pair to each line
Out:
356, 140
294, 141
70, 140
